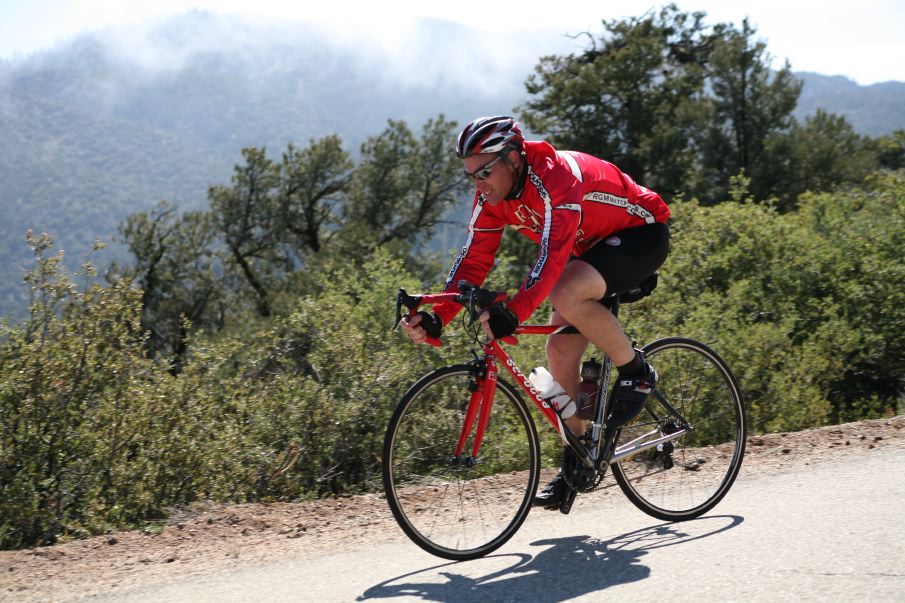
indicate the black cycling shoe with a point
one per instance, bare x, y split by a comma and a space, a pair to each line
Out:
553, 494
558, 490
628, 397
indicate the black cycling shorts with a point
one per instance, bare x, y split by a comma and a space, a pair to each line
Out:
625, 258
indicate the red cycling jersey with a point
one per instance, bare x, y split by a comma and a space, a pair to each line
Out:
569, 202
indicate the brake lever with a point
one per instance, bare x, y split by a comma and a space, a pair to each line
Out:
481, 299
485, 298
398, 310
474, 306
409, 301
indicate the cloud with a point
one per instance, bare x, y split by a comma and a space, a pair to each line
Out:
420, 53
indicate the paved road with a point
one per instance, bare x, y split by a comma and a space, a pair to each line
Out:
833, 531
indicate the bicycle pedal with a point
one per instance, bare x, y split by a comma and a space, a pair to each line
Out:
566, 505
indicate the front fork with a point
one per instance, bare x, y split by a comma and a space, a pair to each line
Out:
483, 387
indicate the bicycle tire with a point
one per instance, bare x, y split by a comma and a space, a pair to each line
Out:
450, 511
692, 478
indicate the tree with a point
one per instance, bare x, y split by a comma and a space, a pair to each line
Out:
891, 150
750, 102
863, 229
819, 155
178, 272
77, 356
403, 185
678, 105
276, 217
312, 191
248, 217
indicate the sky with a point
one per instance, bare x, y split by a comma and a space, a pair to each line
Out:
862, 41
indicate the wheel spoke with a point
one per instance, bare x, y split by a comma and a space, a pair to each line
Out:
707, 459
449, 509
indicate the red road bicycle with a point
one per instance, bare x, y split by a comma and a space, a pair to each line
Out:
461, 456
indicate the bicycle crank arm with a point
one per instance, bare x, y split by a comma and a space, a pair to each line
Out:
566, 505
631, 448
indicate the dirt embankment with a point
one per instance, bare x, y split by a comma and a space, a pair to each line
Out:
218, 537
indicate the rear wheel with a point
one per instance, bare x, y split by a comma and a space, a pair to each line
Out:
450, 508
686, 477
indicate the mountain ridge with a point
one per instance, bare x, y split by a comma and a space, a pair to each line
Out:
873, 109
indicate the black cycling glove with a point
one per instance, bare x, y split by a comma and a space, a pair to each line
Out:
431, 324
503, 321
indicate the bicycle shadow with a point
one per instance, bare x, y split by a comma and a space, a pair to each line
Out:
570, 567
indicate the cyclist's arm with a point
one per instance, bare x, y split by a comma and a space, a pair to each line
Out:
475, 259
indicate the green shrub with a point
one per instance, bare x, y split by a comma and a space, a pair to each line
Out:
73, 406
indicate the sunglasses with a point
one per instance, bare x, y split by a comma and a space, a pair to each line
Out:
483, 172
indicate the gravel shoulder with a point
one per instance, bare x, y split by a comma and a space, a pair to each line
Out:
213, 538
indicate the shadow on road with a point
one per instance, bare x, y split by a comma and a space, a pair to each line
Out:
568, 568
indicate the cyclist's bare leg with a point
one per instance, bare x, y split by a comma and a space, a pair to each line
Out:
575, 297
564, 354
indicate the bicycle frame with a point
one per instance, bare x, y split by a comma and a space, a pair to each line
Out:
597, 455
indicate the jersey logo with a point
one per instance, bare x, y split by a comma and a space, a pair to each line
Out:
632, 209
529, 218
538, 184
534, 276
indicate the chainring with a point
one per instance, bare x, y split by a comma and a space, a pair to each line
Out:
577, 476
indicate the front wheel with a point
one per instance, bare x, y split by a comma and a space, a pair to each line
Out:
686, 477
450, 508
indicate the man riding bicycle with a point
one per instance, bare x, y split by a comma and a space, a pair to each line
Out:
599, 233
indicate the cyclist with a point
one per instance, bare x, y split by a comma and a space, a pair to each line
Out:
599, 233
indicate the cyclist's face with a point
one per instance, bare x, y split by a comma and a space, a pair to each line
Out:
499, 179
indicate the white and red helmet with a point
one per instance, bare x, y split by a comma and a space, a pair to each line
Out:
489, 135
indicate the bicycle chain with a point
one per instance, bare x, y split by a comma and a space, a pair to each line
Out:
573, 478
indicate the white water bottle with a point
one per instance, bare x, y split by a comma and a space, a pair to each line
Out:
552, 392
